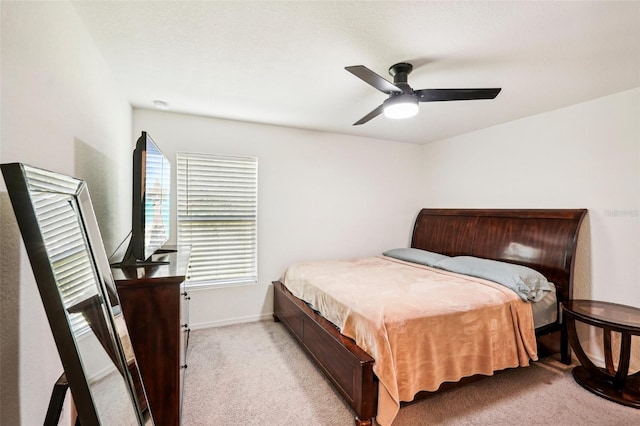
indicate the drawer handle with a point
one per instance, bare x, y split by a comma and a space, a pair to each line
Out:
184, 366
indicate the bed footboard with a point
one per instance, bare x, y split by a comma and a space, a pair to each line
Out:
346, 365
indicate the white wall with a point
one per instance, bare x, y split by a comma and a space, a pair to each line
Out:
61, 110
319, 196
583, 156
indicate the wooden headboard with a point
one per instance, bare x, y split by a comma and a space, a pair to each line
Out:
542, 239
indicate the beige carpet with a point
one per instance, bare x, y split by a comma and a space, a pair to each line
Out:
256, 374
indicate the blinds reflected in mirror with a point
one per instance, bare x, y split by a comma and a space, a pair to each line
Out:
64, 238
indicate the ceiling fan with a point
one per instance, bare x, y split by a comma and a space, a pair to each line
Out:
403, 100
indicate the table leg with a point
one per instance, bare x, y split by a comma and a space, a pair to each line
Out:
577, 349
620, 379
608, 358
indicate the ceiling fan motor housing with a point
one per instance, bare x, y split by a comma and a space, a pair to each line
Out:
400, 73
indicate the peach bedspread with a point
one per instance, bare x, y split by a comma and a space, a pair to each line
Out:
423, 326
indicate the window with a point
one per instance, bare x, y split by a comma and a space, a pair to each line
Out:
217, 217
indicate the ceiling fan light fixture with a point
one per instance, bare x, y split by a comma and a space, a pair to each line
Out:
401, 106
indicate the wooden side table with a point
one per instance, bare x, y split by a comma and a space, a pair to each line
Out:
615, 385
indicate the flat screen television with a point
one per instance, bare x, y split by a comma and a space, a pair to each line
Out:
150, 209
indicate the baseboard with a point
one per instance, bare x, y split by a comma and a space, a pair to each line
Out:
231, 321
99, 375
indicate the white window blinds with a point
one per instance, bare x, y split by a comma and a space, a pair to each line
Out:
217, 216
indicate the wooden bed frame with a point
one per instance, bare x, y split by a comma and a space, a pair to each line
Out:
544, 240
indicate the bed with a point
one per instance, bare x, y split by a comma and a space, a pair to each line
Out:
544, 240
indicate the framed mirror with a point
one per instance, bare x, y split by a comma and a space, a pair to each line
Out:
69, 262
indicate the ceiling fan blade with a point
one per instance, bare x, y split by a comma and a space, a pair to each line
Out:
437, 95
368, 76
373, 114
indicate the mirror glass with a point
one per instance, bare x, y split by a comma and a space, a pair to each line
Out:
70, 265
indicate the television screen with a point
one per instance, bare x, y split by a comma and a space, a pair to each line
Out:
151, 200
157, 191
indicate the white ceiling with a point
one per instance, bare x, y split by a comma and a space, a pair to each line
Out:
283, 63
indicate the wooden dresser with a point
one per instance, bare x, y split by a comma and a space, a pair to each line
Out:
155, 305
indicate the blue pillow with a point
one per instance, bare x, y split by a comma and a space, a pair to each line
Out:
413, 255
529, 284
